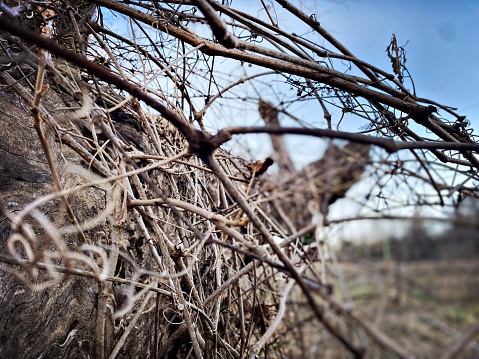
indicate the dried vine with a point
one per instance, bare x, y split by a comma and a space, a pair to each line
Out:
187, 239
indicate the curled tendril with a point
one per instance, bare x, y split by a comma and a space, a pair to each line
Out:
15, 241
88, 260
27, 251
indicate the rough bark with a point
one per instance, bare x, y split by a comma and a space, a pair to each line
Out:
73, 317
58, 321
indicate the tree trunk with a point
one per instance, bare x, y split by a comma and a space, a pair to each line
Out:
59, 320
45, 314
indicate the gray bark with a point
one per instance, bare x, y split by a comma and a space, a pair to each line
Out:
64, 319
58, 321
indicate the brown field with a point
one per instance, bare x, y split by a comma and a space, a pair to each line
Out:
423, 306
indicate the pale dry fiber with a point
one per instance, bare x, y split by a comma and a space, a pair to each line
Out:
129, 231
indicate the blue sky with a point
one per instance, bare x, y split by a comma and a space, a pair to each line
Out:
442, 50
442, 40
442, 43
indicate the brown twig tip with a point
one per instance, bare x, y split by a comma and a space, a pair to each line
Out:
259, 167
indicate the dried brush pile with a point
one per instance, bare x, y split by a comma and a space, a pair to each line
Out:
127, 231
169, 251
